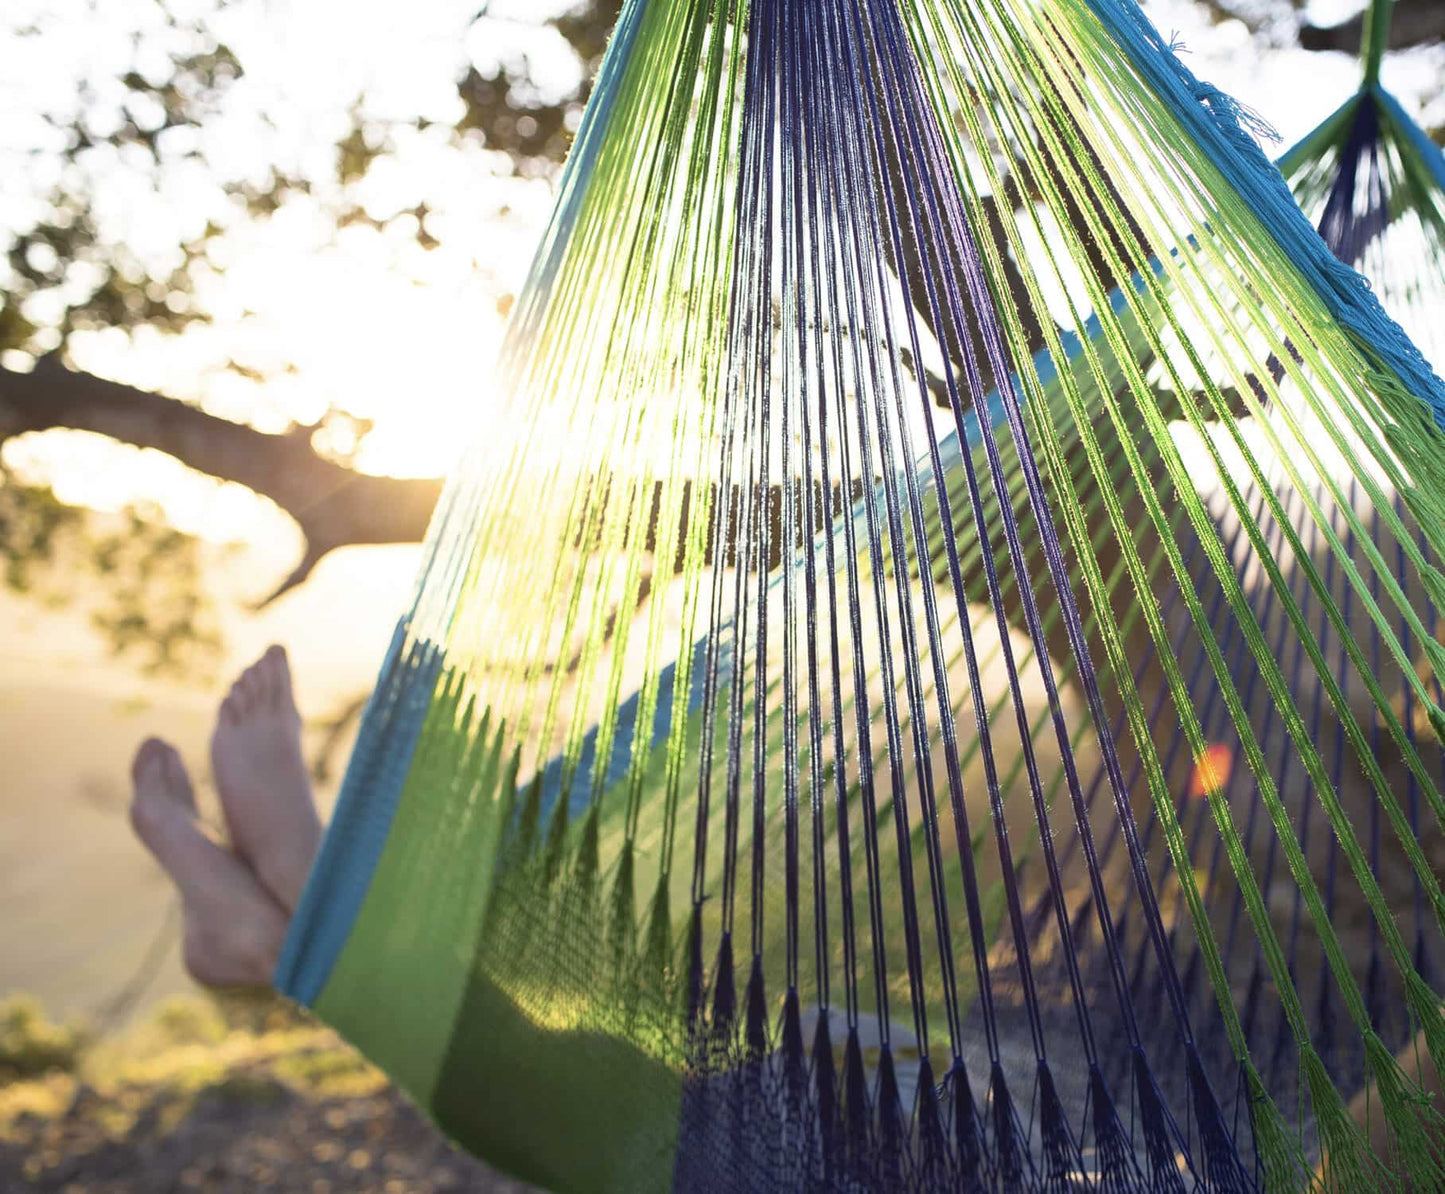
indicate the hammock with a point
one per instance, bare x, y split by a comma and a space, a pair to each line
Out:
1374, 184
931, 680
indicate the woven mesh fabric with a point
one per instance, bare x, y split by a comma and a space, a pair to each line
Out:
929, 679
1374, 183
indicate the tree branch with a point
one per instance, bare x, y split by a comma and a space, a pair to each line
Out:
333, 505
1413, 23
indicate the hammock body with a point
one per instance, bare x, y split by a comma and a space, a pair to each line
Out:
1374, 183
932, 681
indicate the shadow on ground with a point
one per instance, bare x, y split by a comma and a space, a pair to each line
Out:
212, 1097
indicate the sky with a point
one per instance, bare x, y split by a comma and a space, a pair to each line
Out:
367, 320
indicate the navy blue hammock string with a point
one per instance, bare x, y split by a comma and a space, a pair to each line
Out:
929, 678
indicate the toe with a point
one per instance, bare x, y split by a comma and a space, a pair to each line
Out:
281, 676
256, 684
241, 697
278, 674
268, 685
162, 797
176, 779
145, 759
157, 770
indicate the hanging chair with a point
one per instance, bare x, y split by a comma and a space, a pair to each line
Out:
930, 678
1373, 182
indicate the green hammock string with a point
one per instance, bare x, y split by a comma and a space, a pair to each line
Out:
1375, 184
930, 678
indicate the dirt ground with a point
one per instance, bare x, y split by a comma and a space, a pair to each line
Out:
260, 1136
192, 1103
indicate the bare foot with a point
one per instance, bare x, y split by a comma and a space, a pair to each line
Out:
265, 790
233, 927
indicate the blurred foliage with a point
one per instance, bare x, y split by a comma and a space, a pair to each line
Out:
186, 1043
144, 589
151, 130
185, 1021
66, 273
31, 1045
67, 264
35, 527
274, 1103
156, 608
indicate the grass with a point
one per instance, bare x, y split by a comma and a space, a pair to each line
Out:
31, 1046
243, 1049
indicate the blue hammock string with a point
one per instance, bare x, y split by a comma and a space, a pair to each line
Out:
941, 558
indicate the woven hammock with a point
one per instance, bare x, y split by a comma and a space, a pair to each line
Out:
1374, 184
931, 680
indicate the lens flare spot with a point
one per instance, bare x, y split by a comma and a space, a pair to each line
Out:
1211, 770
